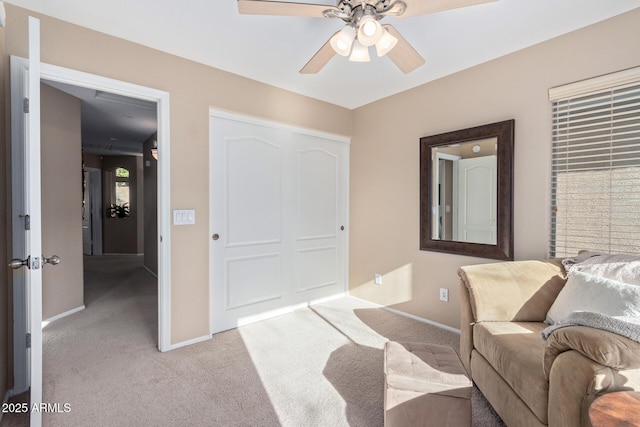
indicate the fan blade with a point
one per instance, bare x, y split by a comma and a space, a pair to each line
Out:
403, 54
421, 7
281, 8
320, 59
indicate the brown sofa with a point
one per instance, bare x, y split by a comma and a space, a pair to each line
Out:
528, 381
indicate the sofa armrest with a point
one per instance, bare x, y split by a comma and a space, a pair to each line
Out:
603, 347
575, 381
518, 291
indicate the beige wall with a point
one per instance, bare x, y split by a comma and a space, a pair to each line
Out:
385, 160
193, 89
150, 196
61, 201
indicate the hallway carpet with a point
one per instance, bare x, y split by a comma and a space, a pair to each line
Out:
318, 366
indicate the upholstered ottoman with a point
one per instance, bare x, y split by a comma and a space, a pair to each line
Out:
425, 385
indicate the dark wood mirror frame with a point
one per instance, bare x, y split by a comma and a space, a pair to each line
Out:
503, 250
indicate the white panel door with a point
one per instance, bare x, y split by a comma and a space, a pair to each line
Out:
477, 200
320, 215
249, 222
277, 205
26, 221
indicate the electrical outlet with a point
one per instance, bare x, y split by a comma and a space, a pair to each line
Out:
444, 294
378, 279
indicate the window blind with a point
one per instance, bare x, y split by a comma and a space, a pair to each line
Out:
595, 167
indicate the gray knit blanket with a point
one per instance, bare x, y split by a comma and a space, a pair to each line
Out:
625, 326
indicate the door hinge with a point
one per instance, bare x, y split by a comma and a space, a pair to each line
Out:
25, 105
28, 340
27, 222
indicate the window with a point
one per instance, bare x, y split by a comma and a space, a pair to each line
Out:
118, 181
121, 186
595, 169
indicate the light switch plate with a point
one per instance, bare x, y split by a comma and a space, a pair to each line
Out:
184, 217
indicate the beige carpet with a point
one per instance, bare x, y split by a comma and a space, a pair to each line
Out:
320, 366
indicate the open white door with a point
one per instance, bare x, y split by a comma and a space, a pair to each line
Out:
33, 236
30, 261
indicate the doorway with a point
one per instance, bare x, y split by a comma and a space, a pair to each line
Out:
19, 72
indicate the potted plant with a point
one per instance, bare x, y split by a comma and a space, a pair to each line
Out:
118, 211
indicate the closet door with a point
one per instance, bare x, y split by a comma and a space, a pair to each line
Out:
320, 217
278, 208
249, 221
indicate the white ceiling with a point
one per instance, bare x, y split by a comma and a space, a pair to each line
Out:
112, 124
272, 49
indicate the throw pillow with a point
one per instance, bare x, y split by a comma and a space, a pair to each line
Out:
586, 292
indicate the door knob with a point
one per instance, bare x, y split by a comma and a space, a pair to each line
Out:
215, 236
19, 263
53, 260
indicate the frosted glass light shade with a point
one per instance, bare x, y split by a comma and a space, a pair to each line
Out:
369, 30
385, 43
359, 52
341, 41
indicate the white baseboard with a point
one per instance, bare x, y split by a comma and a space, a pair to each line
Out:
117, 254
327, 299
61, 315
286, 310
188, 342
411, 316
150, 272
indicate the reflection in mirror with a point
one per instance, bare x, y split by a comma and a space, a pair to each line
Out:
465, 186
466, 191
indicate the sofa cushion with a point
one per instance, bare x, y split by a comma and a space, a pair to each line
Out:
515, 350
586, 292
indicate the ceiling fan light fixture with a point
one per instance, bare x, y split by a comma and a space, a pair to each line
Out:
342, 41
359, 52
369, 30
385, 43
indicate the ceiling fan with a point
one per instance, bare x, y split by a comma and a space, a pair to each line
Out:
362, 27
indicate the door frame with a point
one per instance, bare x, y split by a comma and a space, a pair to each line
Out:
212, 224
19, 69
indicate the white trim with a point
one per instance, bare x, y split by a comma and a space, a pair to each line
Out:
410, 316
595, 84
286, 310
161, 98
46, 322
277, 125
187, 343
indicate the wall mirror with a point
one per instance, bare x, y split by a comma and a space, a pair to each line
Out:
466, 191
